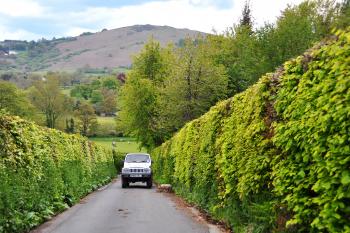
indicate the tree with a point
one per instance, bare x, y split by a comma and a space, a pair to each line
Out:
152, 62
110, 83
195, 84
171, 88
247, 19
81, 91
85, 113
47, 97
247, 54
96, 96
139, 96
70, 126
344, 15
15, 101
96, 84
138, 110
65, 78
238, 51
109, 102
298, 28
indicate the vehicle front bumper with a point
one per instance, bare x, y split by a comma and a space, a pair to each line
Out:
137, 177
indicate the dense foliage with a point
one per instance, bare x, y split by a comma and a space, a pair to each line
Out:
101, 92
248, 53
58, 100
312, 172
181, 83
43, 171
221, 161
275, 157
15, 101
139, 102
167, 87
47, 97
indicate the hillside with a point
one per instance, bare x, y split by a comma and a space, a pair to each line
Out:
102, 50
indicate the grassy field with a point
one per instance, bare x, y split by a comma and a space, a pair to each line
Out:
106, 120
66, 91
124, 145
106, 127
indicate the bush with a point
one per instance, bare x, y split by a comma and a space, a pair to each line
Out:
118, 158
312, 172
275, 157
43, 171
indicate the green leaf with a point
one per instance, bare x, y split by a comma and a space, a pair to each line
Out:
345, 177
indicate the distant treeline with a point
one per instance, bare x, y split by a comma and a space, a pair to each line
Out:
23, 45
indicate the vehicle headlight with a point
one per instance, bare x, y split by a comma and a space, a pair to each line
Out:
125, 170
147, 170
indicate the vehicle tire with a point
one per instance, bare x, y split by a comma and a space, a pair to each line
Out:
149, 183
125, 183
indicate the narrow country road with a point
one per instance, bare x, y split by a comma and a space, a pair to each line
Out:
132, 210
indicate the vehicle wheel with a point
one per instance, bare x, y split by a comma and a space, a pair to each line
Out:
149, 183
125, 183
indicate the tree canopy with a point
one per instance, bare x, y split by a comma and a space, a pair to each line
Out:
15, 101
48, 98
168, 87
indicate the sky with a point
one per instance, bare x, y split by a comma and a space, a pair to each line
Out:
36, 19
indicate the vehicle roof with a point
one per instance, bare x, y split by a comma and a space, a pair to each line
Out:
138, 154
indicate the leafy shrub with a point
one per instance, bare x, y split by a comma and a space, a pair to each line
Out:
312, 172
43, 171
276, 157
118, 157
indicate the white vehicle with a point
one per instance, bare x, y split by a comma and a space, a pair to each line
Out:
137, 168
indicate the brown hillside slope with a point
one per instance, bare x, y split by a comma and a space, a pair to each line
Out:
113, 48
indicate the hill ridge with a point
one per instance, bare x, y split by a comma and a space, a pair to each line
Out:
106, 49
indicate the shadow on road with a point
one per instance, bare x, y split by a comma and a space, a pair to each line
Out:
138, 185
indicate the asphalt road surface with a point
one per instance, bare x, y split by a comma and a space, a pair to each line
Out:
132, 210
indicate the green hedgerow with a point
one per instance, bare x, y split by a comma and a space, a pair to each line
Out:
275, 158
42, 171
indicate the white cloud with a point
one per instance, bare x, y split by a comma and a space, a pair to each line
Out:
75, 31
21, 8
269, 10
17, 34
176, 13
201, 15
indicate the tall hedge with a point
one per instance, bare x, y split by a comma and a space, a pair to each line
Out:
43, 171
275, 158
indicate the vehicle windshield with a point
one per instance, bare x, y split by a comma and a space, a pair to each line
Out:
137, 158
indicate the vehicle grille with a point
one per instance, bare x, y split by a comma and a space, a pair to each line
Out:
136, 170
